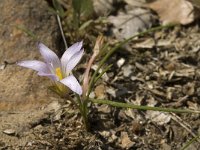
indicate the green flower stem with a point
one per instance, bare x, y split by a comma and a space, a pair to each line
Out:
85, 115
118, 45
82, 106
128, 105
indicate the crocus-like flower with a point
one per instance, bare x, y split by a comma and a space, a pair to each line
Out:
59, 70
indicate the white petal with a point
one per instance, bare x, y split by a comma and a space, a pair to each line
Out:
74, 60
70, 52
73, 84
35, 65
49, 56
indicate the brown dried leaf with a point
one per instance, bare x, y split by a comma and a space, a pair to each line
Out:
189, 88
150, 43
110, 135
104, 109
192, 105
125, 141
147, 43
176, 12
100, 91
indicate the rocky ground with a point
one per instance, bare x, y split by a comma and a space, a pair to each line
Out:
160, 69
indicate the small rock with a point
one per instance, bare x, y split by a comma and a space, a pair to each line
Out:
2, 66
92, 95
127, 70
9, 131
120, 62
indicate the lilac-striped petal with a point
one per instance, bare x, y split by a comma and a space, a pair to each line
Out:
70, 52
73, 84
35, 65
49, 56
51, 76
74, 60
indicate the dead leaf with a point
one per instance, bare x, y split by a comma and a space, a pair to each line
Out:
148, 43
125, 141
104, 109
111, 91
189, 88
192, 105
176, 12
135, 3
158, 117
104, 133
102, 7
100, 91
110, 135
126, 24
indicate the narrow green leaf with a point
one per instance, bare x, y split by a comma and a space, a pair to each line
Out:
59, 8
76, 4
190, 142
128, 105
87, 7
85, 25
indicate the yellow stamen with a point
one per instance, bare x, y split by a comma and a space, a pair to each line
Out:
59, 73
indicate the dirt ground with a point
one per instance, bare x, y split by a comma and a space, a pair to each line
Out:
160, 69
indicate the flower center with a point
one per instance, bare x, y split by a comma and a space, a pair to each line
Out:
59, 73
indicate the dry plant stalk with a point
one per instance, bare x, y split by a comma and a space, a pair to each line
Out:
96, 50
